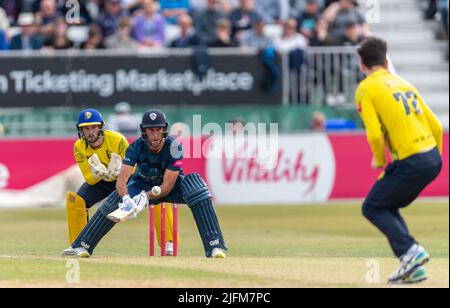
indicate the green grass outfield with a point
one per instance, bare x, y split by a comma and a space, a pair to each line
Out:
282, 246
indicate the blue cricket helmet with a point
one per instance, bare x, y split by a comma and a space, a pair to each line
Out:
90, 117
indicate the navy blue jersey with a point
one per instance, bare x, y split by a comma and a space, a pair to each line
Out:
150, 166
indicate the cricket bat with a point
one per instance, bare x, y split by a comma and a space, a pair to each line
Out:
121, 215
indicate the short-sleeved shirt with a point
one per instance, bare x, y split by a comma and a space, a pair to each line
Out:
151, 166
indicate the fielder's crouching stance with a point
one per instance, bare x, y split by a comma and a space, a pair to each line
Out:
99, 155
158, 160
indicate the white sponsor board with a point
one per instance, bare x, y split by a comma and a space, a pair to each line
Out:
300, 169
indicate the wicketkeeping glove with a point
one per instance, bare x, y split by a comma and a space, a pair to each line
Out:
115, 165
97, 168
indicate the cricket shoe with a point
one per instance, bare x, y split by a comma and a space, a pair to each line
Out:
218, 253
169, 249
418, 276
76, 253
410, 263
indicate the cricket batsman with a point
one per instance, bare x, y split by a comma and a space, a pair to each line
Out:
158, 159
99, 154
395, 115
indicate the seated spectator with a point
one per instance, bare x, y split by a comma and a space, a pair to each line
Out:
173, 9
148, 27
243, 17
122, 39
46, 17
188, 37
308, 18
297, 7
321, 37
27, 39
226, 6
224, 39
206, 22
255, 38
351, 37
108, 19
273, 11
291, 39
59, 40
95, 39
3, 41
340, 13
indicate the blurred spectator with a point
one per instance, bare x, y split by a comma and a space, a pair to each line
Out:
291, 39
318, 122
3, 41
4, 21
243, 17
188, 37
255, 38
206, 21
123, 121
297, 7
46, 17
93, 9
223, 35
443, 9
130, 5
273, 11
12, 9
59, 40
27, 39
148, 27
108, 19
340, 13
226, 6
321, 36
308, 18
351, 37
94, 40
431, 9
122, 39
172, 9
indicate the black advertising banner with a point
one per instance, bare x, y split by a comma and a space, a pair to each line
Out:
79, 80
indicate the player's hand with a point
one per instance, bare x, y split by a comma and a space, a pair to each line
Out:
376, 166
142, 202
127, 203
115, 165
97, 168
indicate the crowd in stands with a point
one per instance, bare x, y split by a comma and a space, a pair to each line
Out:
133, 24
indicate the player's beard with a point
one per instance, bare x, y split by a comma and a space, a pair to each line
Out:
156, 145
93, 138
